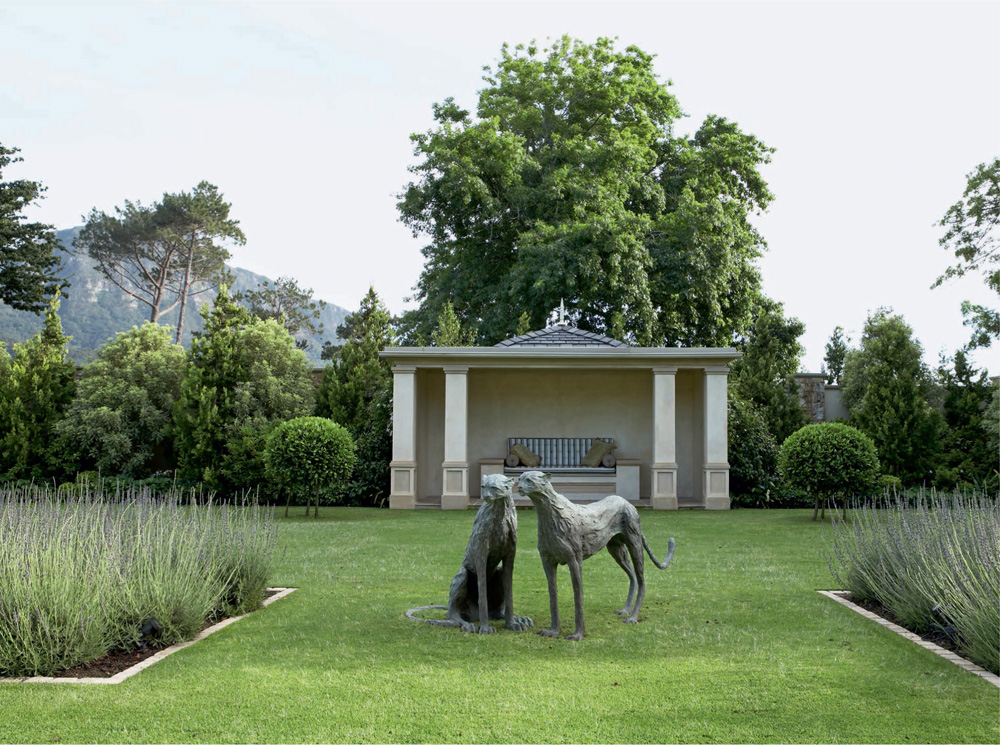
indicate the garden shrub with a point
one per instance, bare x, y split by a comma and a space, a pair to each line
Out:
81, 574
753, 457
932, 562
309, 455
121, 421
888, 484
828, 460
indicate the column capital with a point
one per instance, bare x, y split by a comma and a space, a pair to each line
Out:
455, 369
665, 370
404, 369
717, 370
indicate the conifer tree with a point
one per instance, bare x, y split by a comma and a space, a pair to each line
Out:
449, 332
356, 392
887, 390
38, 390
245, 374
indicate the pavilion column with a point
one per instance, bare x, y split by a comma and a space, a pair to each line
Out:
716, 478
455, 468
403, 467
664, 438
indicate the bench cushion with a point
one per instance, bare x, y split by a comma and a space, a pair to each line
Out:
598, 449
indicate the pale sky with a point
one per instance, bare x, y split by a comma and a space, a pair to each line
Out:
301, 113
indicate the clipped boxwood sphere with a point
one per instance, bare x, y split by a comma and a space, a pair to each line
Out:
828, 459
309, 453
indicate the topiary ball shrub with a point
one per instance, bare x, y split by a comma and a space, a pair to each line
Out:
827, 460
309, 455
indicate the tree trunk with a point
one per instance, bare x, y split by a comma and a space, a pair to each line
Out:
185, 285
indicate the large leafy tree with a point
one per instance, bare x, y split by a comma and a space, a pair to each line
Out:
37, 391
28, 263
356, 392
569, 182
971, 232
888, 391
121, 420
764, 374
164, 253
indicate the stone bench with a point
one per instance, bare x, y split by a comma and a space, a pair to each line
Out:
561, 459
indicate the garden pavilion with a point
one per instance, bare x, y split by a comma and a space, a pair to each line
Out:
454, 409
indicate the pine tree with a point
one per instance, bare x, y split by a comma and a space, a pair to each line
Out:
449, 332
836, 353
967, 459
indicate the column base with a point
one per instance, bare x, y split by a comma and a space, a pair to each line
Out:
664, 503
664, 486
402, 493
716, 486
716, 503
402, 502
455, 480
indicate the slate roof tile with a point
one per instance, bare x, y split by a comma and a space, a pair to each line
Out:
561, 336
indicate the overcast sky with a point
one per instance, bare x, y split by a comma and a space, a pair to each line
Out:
301, 112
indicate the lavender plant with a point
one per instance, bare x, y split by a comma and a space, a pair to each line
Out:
81, 576
932, 561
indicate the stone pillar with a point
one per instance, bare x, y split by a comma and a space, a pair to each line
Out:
716, 479
455, 468
403, 467
664, 495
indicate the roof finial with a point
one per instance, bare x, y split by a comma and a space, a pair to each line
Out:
562, 312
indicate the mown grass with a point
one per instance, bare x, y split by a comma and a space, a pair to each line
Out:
735, 645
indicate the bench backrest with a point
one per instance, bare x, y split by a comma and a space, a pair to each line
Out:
557, 452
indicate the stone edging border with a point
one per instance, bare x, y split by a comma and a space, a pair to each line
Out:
153, 659
841, 597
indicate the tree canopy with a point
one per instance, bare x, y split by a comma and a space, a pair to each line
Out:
569, 182
28, 263
284, 301
160, 254
971, 232
764, 374
888, 390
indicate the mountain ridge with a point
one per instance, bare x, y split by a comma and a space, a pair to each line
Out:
95, 309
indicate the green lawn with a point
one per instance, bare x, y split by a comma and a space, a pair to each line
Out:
734, 645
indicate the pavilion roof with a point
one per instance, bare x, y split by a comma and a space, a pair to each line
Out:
561, 335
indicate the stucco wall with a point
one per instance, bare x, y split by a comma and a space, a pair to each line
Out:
835, 408
560, 403
690, 391
430, 431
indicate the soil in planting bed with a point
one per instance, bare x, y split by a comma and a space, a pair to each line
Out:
115, 662
940, 638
